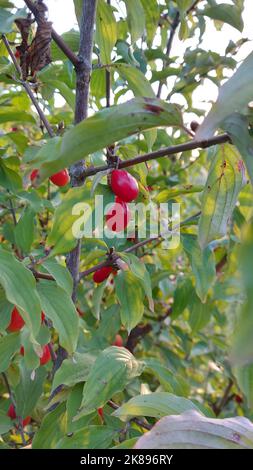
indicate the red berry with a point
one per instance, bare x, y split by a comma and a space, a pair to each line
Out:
101, 412
22, 351
124, 185
118, 341
17, 322
238, 399
12, 414
102, 274
60, 179
34, 175
17, 54
43, 316
118, 217
14, 129
46, 356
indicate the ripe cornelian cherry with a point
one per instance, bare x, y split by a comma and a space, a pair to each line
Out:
61, 178
118, 341
118, 217
22, 351
46, 356
124, 185
17, 322
12, 414
102, 274
17, 54
34, 175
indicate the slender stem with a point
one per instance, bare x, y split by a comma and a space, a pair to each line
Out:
174, 26
13, 213
83, 73
163, 152
217, 408
13, 402
57, 39
132, 249
28, 88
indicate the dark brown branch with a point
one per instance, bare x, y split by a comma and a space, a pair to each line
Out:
83, 73
57, 39
217, 408
27, 87
163, 152
47, 277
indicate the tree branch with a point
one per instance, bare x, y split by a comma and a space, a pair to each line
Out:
57, 39
112, 259
163, 152
27, 87
83, 73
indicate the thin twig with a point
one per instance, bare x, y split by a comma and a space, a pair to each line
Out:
174, 26
132, 248
13, 402
57, 39
27, 87
163, 152
217, 408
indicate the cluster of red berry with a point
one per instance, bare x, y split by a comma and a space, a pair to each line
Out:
125, 188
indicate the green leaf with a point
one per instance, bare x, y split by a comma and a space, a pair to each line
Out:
101, 130
113, 369
154, 405
9, 179
200, 314
237, 127
170, 381
229, 14
61, 236
191, 430
225, 180
90, 437
139, 270
5, 424
182, 297
9, 345
7, 19
20, 289
58, 306
25, 230
78, 10
60, 273
29, 390
152, 15
135, 18
136, 80
7, 115
106, 31
244, 377
234, 95
73, 370
130, 296
64, 90
52, 429
202, 263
